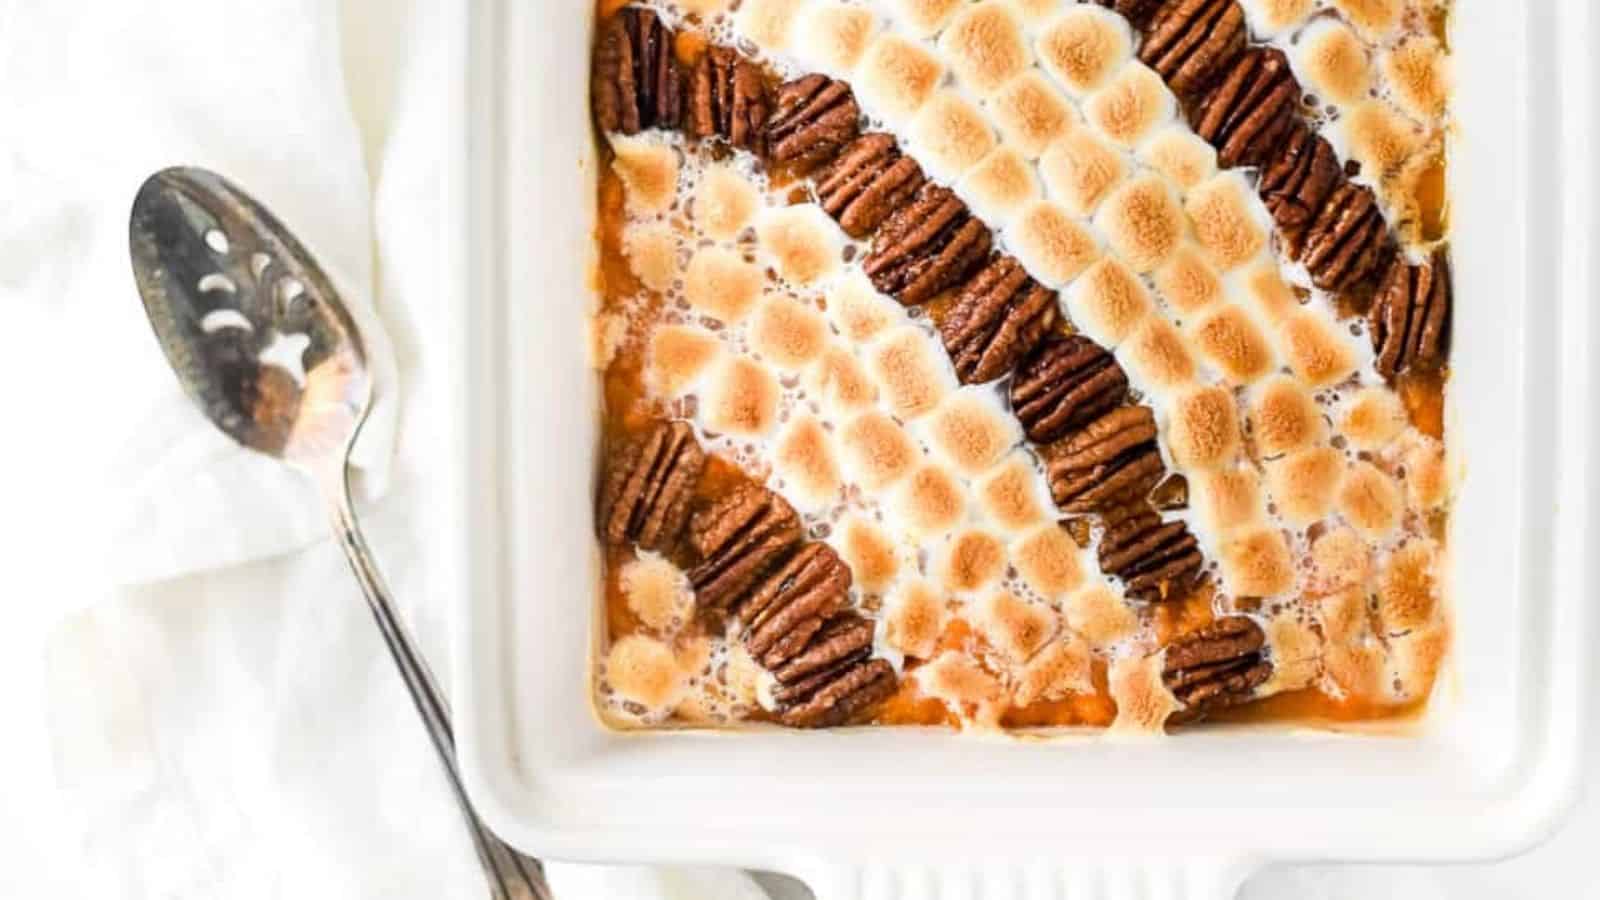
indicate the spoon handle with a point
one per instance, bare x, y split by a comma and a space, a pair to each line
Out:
511, 875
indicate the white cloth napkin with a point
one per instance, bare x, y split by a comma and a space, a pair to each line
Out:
197, 705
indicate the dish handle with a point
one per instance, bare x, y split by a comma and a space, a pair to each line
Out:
1081, 878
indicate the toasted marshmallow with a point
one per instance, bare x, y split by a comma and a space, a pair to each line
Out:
1155, 356
984, 46
656, 591
1369, 500
1101, 615
645, 671
1304, 483
912, 373
607, 331
1181, 155
741, 398
803, 242
859, 312
971, 561
838, 381
930, 501
1415, 659
1036, 12
652, 252
1317, 353
1269, 18
720, 284
787, 333
1228, 499
921, 18
1051, 243
1187, 282
1267, 293
1031, 113
1012, 626
963, 686
725, 202
1108, 302
1332, 62
970, 430
1256, 563
1048, 560
1229, 339
914, 615
830, 36
999, 186
1083, 47
874, 559
1283, 417
876, 451
1228, 221
703, 8
1372, 418
1343, 614
1080, 169
1296, 654
1142, 698
1407, 590
950, 135
767, 23
895, 77
1063, 666
1357, 668
1419, 76
1142, 222
679, 355
1013, 495
1374, 18
1427, 478
1380, 137
1131, 105
648, 168
1340, 559
1202, 428
804, 458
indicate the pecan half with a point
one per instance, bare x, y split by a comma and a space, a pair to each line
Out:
727, 99
1156, 560
845, 640
636, 82
999, 316
613, 93
838, 698
1218, 666
1138, 12
1410, 321
1066, 384
792, 603
1346, 239
648, 485
738, 538
813, 118
927, 246
1110, 462
1297, 181
1189, 41
1248, 113
867, 182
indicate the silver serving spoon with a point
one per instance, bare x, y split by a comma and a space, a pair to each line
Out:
263, 344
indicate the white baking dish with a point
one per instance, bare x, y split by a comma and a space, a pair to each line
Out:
903, 812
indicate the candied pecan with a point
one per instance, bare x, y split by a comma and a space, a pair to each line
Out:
1346, 238
843, 641
838, 699
790, 604
1296, 182
1137, 12
1000, 315
727, 99
1410, 320
813, 119
1111, 461
738, 538
867, 182
927, 246
1156, 560
1218, 666
648, 485
1190, 41
1251, 110
636, 83
613, 93
1066, 384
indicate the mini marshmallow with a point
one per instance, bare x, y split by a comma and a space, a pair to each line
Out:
1269, 18
648, 168
970, 430
1155, 356
830, 36
1015, 628
1187, 282
740, 398
1304, 483
720, 284
984, 46
971, 561
1051, 243
1257, 563
1314, 350
1202, 428
951, 135
725, 202
1101, 615
1228, 338
1031, 113
1080, 169
678, 356
1228, 221
1332, 62
1142, 222
1408, 593
767, 23
1228, 499
999, 186
839, 383
1013, 495
914, 616
802, 240
787, 333
876, 451
1418, 73
859, 311
1373, 417
1369, 500
1083, 47
1374, 18
1379, 137
1283, 417
921, 18
874, 559
912, 372
652, 252
1108, 302
895, 77
1048, 560
1181, 155
804, 458
930, 501
1131, 105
